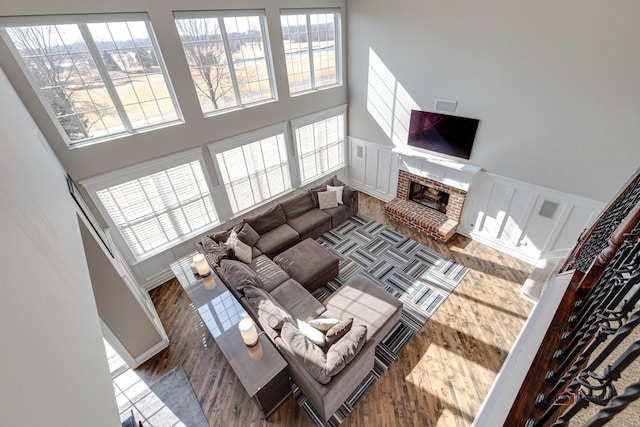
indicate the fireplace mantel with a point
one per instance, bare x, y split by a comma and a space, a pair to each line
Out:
455, 173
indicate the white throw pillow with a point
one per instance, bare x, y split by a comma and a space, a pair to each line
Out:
327, 199
231, 240
323, 323
338, 191
314, 335
243, 251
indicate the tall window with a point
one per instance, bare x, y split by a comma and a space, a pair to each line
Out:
228, 55
255, 170
100, 76
312, 48
320, 142
159, 209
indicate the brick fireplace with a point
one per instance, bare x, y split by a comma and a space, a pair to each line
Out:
431, 221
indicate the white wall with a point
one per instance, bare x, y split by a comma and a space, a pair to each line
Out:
55, 370
554, 84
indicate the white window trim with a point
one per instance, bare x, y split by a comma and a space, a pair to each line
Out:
120, 176
248, 138
264, 27
88, 19
338, 46
313, 118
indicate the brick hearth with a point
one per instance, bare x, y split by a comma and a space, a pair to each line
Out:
435, 224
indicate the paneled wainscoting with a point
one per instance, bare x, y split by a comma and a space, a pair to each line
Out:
439, 379
524, 220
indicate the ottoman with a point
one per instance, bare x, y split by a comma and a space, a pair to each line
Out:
309, 264
368, 304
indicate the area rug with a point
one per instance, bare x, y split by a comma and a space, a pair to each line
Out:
415, 274
180, 406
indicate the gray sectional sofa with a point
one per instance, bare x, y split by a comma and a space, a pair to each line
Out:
354, 318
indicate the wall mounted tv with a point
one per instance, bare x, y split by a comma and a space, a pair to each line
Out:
442, 133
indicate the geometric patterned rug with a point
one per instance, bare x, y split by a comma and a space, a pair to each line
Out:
415, 274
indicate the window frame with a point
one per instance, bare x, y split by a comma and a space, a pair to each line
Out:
310, 120
245, 139
337, 12
121, 176
268, 56
82, 20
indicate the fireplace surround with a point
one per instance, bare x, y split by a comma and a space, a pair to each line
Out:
421, 217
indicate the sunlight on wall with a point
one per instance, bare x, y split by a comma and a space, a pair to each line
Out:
388, 102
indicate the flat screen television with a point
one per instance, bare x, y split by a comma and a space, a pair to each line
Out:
442, 133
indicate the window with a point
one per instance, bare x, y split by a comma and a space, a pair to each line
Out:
255, 169
99, 76
312, 48
159, 209
320, 141
229, 58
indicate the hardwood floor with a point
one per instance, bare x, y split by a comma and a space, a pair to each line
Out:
440, 379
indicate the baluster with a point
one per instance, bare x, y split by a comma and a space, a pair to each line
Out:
617, 405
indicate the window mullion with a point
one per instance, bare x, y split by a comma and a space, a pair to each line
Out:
233, 190
155, 215
246, 167
267, 57
310, 44
264, 167
232, 68
106, 79
127, 224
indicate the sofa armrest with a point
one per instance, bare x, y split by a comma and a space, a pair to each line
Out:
350, 196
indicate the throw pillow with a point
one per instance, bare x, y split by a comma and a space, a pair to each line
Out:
338, 191
327, 199
238, 275
316, 336
338, 331
242, 251
310, 355
231, 240
221, 236
248, 235
323, 323
268, 310
345, 350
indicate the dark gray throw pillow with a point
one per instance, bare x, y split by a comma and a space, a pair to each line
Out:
248, 235
346, 349
238, 274
267, 309
338, 331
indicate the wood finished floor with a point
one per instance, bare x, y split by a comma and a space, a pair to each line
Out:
440, 379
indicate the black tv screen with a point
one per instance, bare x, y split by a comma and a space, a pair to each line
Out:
442, 133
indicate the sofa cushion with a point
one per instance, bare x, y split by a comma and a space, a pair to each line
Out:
215, 253
267, 220
267, 308
241, 250
323, 366
277, 240
248, 235
310, 355
297, 300
238, 274
270, 275
311, 223
345, 349
339, 214
368, 304
297, 205
327, 199
337, 331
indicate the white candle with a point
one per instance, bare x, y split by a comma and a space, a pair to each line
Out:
248, 331
202, 266
209, 282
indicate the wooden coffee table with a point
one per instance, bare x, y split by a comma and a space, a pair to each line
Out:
261, 369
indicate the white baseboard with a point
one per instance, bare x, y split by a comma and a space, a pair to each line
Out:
509, 250
151, 352
372, 192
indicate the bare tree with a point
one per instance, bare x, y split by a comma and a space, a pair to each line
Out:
206, 56
59, 75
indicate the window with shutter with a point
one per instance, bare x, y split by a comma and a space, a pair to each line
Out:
254, 169
157, 210
320, 143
